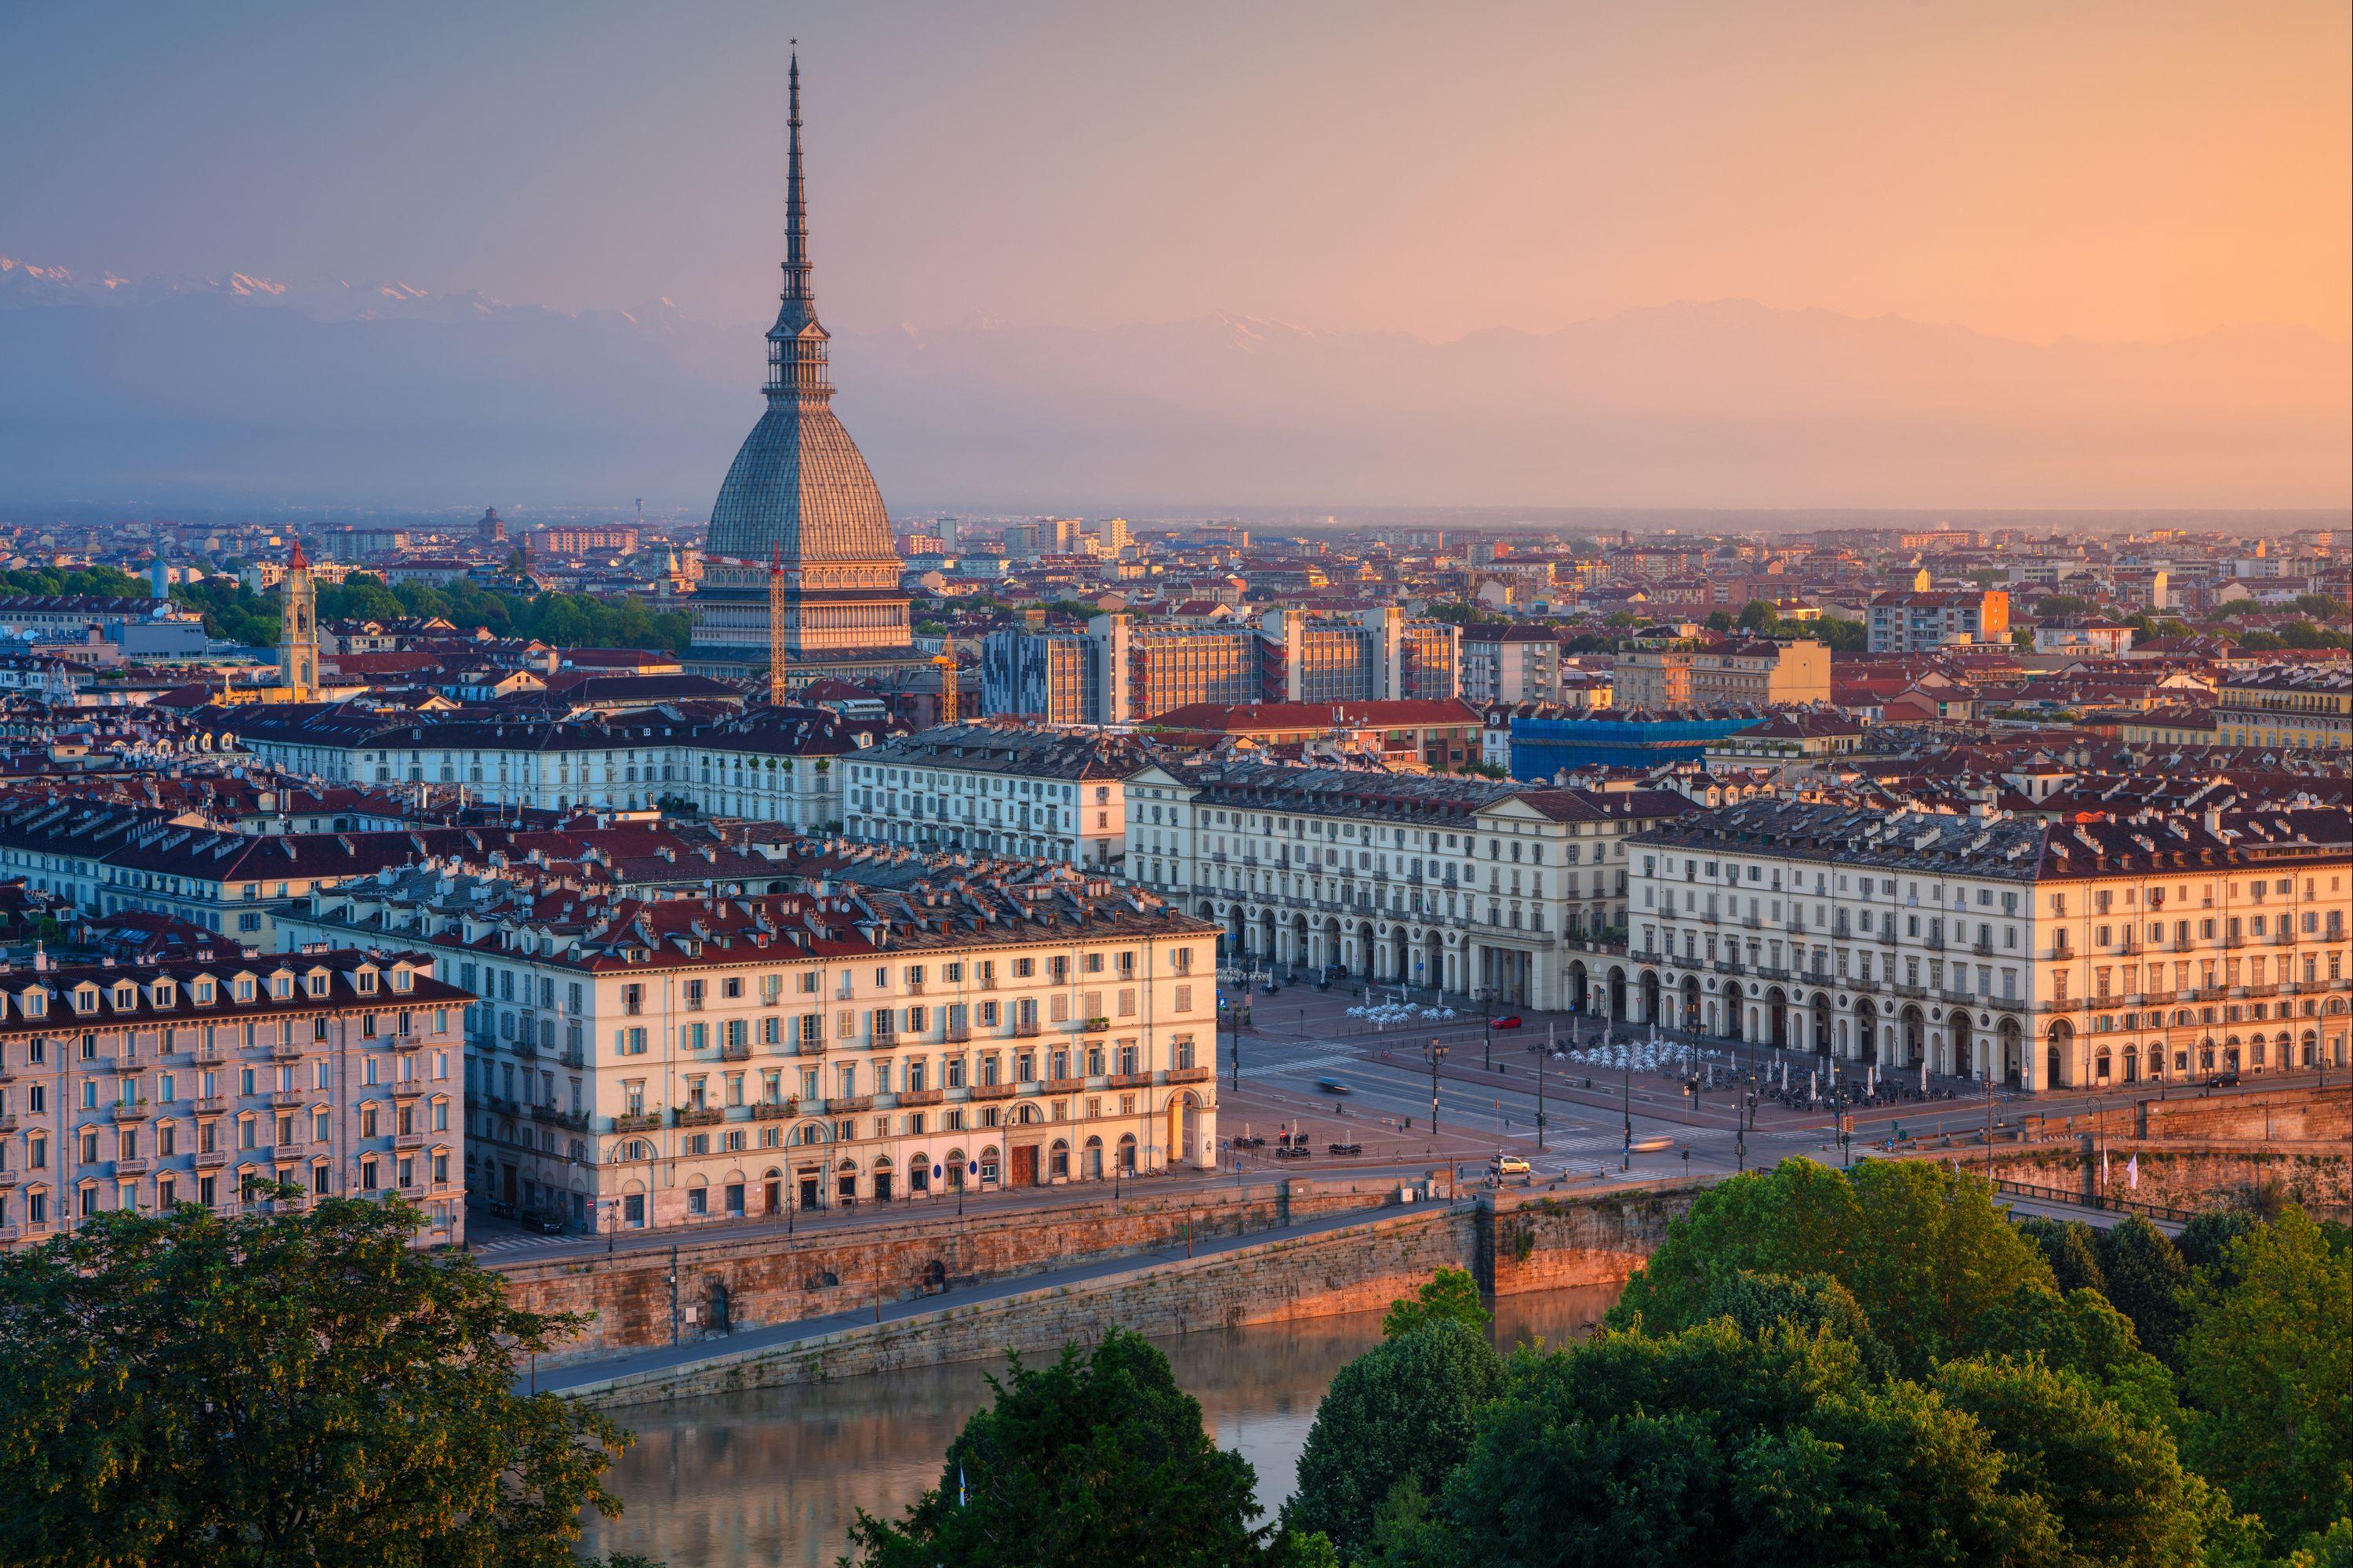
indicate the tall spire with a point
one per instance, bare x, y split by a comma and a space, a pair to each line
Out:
796, 262
796, 345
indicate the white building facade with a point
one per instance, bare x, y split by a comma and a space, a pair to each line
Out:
2038, 956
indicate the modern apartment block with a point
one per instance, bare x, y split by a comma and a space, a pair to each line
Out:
2041, 955
1923, 623
656, 1062
338, 1073
1121, 672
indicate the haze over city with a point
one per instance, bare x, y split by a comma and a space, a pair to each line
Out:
2008, 255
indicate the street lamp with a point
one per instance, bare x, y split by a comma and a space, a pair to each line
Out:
1436, 1053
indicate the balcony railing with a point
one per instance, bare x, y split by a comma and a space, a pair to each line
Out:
992, 1091
636, 1121
921, 1097
1128, 1080
698, 1116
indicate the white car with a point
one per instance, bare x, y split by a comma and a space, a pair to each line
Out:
1507, 1165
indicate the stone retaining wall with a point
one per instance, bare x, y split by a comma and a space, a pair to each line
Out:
770, 1279
1515, 1242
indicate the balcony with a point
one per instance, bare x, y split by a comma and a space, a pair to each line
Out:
526, 1046
843, 1105
992, 1091
2211, 992
740, 1051
1961, 998
576, 1058
211, 1159
135, 1111
286, 1099
956, 1034
138, 1167
1026, 1028
1128, 1080
698, 1116
1982, 948
2263, 991
211, 1105
987, 982
408, 1140
2155, 997
921, 1097
1191, 1075
774, 1110
1057, 1086
636, 1121
1095, 1026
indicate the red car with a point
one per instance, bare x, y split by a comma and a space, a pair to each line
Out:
1509, 1020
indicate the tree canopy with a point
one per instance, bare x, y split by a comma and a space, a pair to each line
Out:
233, 611
1922, 1249
181, 1389
1097, 1458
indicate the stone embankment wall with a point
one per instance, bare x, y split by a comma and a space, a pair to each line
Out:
2213, 1173
1515, 1242
770, 1279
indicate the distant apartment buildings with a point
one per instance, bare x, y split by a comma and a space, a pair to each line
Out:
1923, 623
1704, 673
1119, 672
2310, 707
995, 790
1522, 664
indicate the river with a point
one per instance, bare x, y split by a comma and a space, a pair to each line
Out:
774, 1477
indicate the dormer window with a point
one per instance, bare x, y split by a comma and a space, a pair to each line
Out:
315, 983
281, 987
85, 999
126, 997
203, 992
402, 980
245, 987
166, 995
35, 1004
363, 980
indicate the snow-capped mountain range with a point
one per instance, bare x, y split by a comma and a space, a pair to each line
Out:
247, 387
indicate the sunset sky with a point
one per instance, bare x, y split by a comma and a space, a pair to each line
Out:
2142, 171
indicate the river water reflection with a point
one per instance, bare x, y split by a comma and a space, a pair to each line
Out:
774, 1477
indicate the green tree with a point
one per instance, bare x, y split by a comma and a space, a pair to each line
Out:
1710, 1446
1398, 1415
2062, 604
2115, 1484
2069, 1246
1811, 1304
1450, 1294
183, 1389
1718, 620
2205, 1242
1099, 1458
2144, 1276
2260, 642
2081, 1334
1921, 1247
1759, 615
1839, 636
2266, 1369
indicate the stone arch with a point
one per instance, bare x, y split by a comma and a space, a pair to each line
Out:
2058, 1054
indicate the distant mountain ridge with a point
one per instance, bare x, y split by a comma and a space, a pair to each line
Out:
244, 386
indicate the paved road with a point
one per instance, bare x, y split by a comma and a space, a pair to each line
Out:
693, 1349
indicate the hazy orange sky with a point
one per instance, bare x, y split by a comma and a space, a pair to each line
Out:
2114, 171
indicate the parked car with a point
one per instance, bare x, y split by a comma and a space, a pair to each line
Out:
2228, 1078
1509, 1020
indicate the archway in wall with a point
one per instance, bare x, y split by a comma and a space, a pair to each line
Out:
1433, 960
1694, 1013
1958, 1062
1914, 1041
2013, 1041
1866, 1031
1617, 992
1334, 956
1777, 1017
1821, 1024
1580, 988
1650, 997
2058, 1054
1736, 1011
